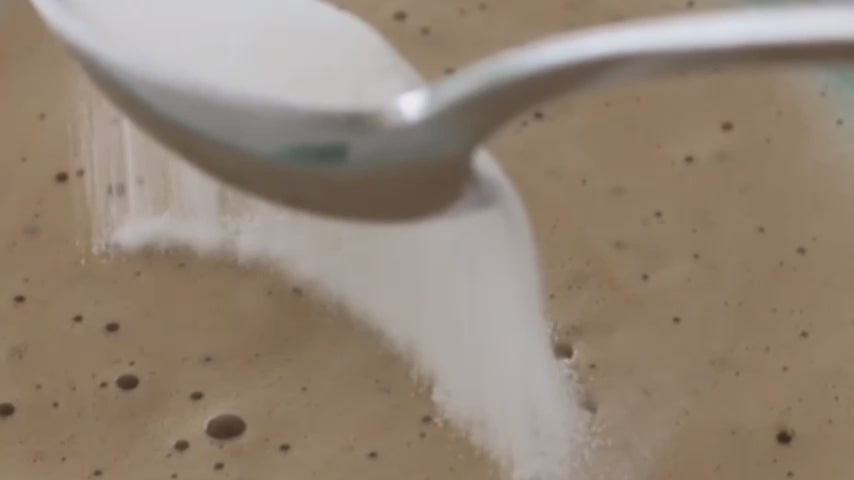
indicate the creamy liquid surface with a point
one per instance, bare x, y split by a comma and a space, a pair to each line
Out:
647, 211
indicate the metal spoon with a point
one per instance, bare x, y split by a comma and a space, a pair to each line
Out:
412, 158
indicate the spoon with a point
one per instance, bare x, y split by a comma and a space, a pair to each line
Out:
412, 158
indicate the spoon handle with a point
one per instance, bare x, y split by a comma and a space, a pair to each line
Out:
480, 98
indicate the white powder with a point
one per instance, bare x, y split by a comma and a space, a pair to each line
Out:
458, 296
278, 48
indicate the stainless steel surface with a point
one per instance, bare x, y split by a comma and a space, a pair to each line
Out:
411, 159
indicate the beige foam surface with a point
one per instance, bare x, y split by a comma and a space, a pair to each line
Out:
696, 236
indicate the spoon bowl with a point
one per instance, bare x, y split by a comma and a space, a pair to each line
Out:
411, 157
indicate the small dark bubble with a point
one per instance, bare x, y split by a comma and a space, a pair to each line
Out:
426, 30
7, 409
79, 172
181, 445
802, 250
645, 277
482, 6
689, 4
695, 256
127, 381
285, 447
218, 466
539, 115
19, 299
196, 396
677, 319
103, 384
840, 122
400, 16
804, 334
61, 177
174, 475
225, 426
373, 455
785, 368
97, 473
688, 159
589, 404
207, 359
658, 214
55, 404
297, 291
785, 436
77, 318
727, 126
450, 70
112, 327
564, 351
790, 474
42, 115
426, 419
760, 229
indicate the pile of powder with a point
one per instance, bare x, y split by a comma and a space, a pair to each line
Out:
459, 295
